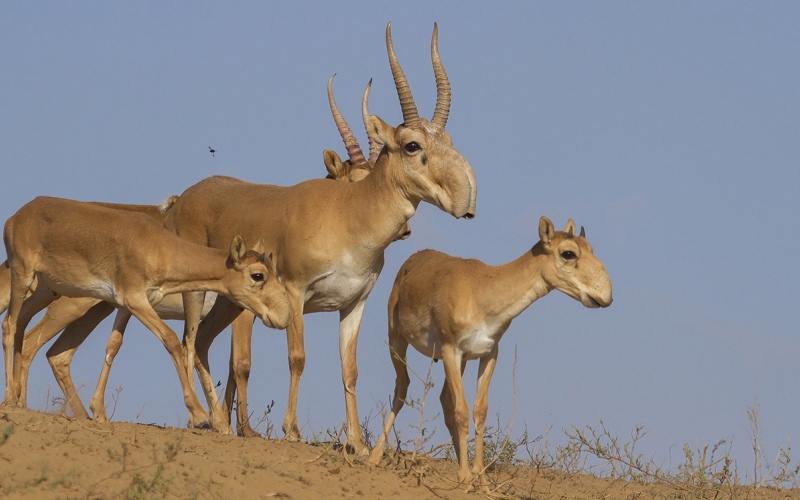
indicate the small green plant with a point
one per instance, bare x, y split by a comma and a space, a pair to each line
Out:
499, 449
152, 488
115, 398
42, 477
5, 434
269, 428
616, 460
782, 472
122, 456
66, 480
172, 449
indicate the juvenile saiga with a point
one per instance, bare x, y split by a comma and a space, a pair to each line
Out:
329, 237
457, 309
81, 249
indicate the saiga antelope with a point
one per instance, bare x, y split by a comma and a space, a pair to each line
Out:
84, 250
79, 316
329, 237
457, 309
354, 169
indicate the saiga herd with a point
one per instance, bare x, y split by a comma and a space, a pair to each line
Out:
277, 253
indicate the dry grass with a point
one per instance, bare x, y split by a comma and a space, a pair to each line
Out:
516, 465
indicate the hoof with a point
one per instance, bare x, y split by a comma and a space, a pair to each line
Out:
9, 402
247, 432
292, 437
205, 424
357, 448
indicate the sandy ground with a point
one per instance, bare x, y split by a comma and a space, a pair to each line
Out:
53, 456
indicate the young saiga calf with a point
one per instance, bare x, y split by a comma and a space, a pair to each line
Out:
458, 309
84, 250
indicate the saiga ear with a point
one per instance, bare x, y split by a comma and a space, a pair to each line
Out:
570, 229
238, 249
332, 163
380, 131
259, 248
546, 230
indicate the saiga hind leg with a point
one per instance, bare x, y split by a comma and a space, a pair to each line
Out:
98, 405
192, 312
398, 347
20, 311
140, 307
239, 373
220, 316
60, 354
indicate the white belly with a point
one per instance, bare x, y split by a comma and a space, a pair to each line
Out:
171, 306
97, 289
338, 290
479, 342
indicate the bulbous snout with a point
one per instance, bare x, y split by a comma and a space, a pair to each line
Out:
463, 194
278, 315
600, 295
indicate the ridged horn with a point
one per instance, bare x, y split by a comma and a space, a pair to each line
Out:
442, 110
374, 147
583, 233
410, 115
350, 142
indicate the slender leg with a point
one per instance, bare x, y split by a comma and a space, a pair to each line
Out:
479, 410
239, 372
60, 313
349, 324
297, 362
41, 298
98, 405
220, 316
15, 322
5, 286
398, 346
140, 307
63, 349
454, 404
193, 311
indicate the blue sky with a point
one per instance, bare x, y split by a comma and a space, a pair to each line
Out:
669, 130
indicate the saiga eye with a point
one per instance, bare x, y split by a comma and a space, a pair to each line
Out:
412, 147
568, 255
258, 277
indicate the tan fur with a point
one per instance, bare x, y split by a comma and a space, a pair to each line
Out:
329, 238
78, 317
86, 250
457, 309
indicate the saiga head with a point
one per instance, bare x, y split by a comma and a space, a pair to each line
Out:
571, 265
255, 285
435, 170
357, 166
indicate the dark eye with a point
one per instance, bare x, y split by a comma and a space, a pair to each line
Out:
257, 277
568, 255
412, 147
